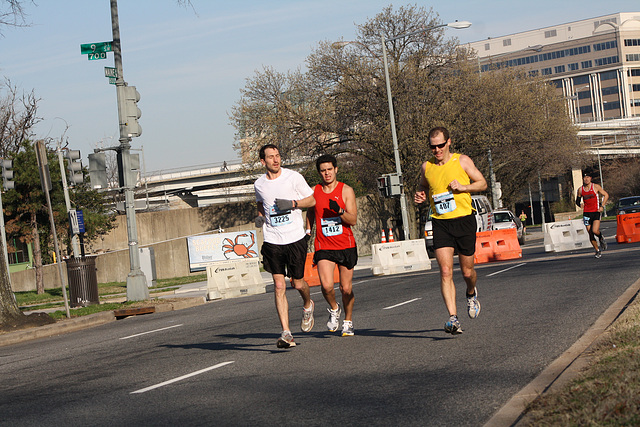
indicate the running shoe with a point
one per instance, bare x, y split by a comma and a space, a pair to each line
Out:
286, 340
307, 318
453, 326
334, 319
603, 243
598, 254
473, 305
347, 328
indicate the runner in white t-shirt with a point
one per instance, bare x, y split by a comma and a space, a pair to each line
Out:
280, 194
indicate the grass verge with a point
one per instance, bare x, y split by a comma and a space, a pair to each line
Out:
53, 297
607, 392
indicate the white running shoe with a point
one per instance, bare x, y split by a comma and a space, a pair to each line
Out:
334, 318
307, 318
347, 328
473, 305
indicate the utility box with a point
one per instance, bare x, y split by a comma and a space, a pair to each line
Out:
83, 281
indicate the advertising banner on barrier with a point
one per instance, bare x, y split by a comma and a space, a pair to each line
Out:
220, 247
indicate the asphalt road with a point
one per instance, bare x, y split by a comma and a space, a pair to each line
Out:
217, 364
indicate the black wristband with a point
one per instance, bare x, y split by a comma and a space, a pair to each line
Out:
295, 204
342, 211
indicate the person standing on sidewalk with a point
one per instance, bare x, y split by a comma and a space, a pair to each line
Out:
449, 178
592, 209
280, 194
334, 214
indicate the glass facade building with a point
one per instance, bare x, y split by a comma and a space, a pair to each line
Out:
595, 63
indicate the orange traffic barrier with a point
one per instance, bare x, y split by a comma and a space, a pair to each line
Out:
311, 272
484, 247
628, 229
497, 245
391, 235
506, 244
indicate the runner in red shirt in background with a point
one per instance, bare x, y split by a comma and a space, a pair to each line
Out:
591, 211
334, 214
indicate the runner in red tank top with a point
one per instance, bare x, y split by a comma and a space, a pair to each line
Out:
591, 211
334, 214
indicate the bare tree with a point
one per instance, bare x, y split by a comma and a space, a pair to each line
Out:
12, 14
340, 106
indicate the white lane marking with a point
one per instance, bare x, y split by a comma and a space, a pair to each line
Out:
402, 303
150, 332
202, 371
506, 269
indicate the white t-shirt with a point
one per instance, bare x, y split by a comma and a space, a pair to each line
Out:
282, 228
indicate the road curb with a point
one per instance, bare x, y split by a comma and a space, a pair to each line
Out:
84, 322
565, 368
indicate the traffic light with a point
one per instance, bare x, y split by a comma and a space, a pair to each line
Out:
132, 172
7, 174
74, 165
390, 185
383, 187
98, 171
131, 112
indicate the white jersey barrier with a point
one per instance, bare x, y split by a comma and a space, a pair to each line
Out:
565, 236
399, 257
234, 278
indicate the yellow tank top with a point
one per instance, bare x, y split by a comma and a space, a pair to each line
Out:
444, 203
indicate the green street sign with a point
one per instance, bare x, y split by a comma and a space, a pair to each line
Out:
94, 56
89, 48
112, 80
110, 72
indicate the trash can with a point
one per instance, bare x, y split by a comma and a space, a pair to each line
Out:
83, 281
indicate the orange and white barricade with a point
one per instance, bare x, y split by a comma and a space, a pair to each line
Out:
234, 278
628, 228
497, 245
563, 236
399, 257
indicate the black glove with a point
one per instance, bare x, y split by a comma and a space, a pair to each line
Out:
307, 237
334, 206
284, 204
259, 221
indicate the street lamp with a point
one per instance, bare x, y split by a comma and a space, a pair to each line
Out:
403, 197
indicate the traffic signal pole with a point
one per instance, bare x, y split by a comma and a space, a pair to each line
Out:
137, 289
65, 188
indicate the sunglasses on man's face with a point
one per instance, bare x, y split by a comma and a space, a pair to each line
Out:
433, 147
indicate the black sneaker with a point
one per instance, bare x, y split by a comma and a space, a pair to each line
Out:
603, 243
598, 254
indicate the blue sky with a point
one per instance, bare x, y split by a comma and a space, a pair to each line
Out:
189, 67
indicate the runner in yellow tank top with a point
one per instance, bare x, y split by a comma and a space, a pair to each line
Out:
448, 179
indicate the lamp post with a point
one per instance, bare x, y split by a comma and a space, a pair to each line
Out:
396, 153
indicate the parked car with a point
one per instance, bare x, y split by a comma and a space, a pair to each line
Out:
484, 218
503, 219
628, 205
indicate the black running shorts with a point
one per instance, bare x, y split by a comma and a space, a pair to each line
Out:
345, 257
589, 217
288, 259
457, 233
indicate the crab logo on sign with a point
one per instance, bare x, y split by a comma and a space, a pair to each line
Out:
240, 247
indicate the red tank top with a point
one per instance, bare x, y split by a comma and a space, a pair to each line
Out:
331, 232
591, 200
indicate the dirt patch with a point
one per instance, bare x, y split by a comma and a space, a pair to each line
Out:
26, 321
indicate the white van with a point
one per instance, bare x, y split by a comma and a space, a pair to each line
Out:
484, 218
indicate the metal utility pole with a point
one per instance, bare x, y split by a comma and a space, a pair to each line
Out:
137, 289
65, 187
541, 194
